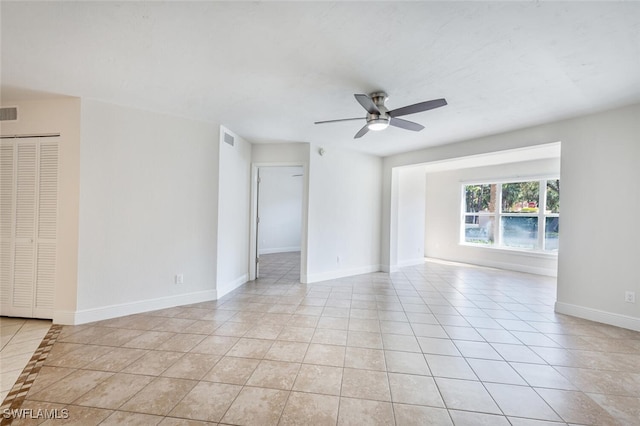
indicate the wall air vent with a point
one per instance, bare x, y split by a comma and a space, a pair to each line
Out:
8, 114
228, 139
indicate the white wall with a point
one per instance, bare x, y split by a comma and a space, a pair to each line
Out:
443, 217
58, 116
599, 247
148, 211
344, 214
280, 208
233, 213
281, 153
411, 215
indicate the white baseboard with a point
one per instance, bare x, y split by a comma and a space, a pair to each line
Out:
230, 286
624, 321
278, 250
341, 273
122, 309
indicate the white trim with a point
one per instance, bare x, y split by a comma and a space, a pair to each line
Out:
278, 250
230, 286
341, 273
123, 309
618, 320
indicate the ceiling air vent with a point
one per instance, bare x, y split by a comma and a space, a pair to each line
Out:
8, 114
228, 138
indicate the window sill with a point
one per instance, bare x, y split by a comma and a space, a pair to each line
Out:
529, 253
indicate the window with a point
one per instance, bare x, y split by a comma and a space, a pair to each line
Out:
515, 215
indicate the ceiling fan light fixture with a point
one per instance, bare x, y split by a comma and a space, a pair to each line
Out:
378, 124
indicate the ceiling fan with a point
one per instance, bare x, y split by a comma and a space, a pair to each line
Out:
379, 117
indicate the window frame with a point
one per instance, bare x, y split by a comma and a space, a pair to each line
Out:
498, 214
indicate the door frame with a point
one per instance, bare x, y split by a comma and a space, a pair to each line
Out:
253, 246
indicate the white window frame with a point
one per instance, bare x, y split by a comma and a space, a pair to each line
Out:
498, 215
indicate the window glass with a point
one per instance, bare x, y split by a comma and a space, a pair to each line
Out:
520, 231
480, 198
551, 232
553, 196
479, 229
520, 197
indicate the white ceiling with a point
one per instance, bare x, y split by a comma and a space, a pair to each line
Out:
269, 70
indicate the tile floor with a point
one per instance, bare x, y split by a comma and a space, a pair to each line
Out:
437, 343
19, 338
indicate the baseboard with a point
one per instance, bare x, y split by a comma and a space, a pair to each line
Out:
230, 286
114, 311
279, 250
517, 267
618, 320
341, 273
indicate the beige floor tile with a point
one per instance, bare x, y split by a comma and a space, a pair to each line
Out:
412, 389
415, 415
47, 377
366, 359
364, 412
318, 379
296, 334
310, 409
192, 366
495, 371
365, 384
181, 342
160, 396
543, 376
234, 329
114, 391
624, 409
71, 386
333, 323
126, 418
256, 406
175, 325
264, 331
466, 395
153, 363
453, 367
116, 360
174, 421
397, 342
406, 362
364, 339
330, 337
206, 401
149, 340
203, 327
250, 348
521, 401
274, 375
117, 337
480, 350
215, 345
287, 351
517, 353
80, 416
436, 346
575, 407
232, 370
79, 357
325, 355
467, 418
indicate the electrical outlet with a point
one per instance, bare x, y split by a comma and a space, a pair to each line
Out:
630, 296
179, 279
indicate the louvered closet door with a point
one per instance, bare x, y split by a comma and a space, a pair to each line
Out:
7, 186
30, 221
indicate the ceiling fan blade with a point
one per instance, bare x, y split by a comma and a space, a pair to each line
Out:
367, 104
362, 132
405, 124
419, 107
341, 119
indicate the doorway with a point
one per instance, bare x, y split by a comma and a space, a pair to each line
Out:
278, 238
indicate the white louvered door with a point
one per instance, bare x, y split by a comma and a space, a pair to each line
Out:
29, 226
